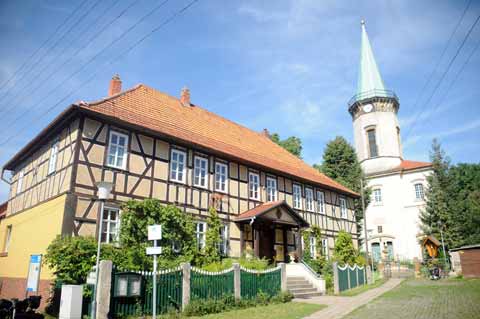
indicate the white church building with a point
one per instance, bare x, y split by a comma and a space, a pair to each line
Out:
398, 185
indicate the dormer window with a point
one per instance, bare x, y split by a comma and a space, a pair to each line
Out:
372, 142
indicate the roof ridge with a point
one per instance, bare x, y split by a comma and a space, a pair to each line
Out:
209, 129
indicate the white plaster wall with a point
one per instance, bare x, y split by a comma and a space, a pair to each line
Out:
399, 211
389, 150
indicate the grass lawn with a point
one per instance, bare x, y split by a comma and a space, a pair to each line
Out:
451, 298
359, 290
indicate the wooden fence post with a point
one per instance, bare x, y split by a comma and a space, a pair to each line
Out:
336, 286
185, 284
103, 289
356, 269
237, 288
348, 276
283, 277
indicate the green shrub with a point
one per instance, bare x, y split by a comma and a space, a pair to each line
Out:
201, 307
249, 263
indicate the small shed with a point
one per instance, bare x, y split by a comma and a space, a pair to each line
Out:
432, 245
469, 260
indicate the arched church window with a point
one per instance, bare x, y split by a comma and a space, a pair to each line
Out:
372, 143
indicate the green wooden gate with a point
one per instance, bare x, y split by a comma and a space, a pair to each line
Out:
253, 282
351, 277
211, 285
169, 294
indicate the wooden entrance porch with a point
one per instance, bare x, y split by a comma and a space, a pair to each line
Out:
271, 230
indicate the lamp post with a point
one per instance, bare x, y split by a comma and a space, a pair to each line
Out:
364, 221
104, 189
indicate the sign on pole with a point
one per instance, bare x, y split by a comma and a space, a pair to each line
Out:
34, 272
154, 233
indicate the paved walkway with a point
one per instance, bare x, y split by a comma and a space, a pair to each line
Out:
341, 306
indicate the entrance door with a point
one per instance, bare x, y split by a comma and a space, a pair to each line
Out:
376, 252
267, 238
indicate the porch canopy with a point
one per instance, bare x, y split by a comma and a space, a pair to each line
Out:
278, 212
269, 223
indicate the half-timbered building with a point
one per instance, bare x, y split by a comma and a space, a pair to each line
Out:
152, 145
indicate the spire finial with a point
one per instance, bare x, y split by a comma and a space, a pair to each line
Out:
362, 22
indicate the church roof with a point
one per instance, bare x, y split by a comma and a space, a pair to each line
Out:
409, 165
370, 82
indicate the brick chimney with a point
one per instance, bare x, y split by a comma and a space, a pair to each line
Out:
185, 96
115, 85
266, 133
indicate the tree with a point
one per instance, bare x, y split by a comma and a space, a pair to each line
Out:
73, 258
464, 205
436, 212
213, 239
340, 163
344, 251
178, 233
292, 144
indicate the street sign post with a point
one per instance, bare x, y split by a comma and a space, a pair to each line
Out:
154, 233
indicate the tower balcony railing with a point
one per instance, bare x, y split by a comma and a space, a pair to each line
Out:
372, 94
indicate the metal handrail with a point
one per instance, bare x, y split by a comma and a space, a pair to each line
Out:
371, 94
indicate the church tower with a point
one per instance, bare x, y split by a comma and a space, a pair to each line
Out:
374, 113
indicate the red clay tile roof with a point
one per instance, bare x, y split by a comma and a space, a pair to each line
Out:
157, 111
408, 165
258, 210
266, 207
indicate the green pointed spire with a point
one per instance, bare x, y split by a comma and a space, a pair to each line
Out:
370, 82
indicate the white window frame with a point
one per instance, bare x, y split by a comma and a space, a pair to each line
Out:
320, 202
325, 247
253, 185
420, 192
109, 222
309, 206
223, 249
21, 174
221, 179
200, 173
377, 195
175, 164
201, 236
297, 196
116, 155
8, 238
52, 163
343, 208
313, 247
271, 189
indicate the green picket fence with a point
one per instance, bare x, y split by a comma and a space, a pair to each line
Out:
169, 293
343, 278
211, 285
253, 282
351, 277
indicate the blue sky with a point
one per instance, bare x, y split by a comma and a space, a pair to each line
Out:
289, 66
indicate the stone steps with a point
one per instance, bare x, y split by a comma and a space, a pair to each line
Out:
301, 288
